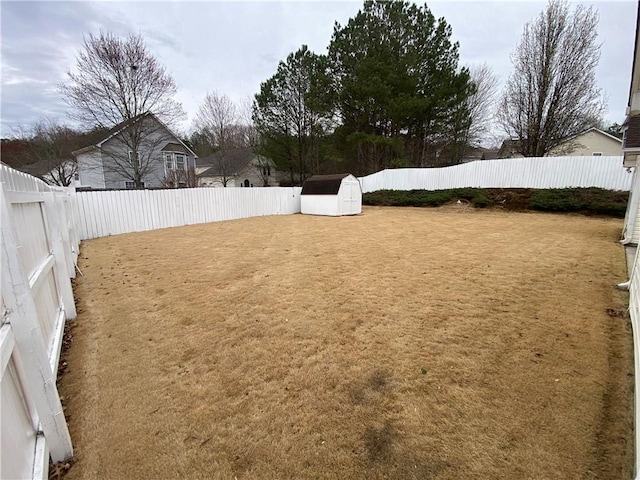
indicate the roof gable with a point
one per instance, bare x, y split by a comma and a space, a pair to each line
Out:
126, 123
323, 184
597, 130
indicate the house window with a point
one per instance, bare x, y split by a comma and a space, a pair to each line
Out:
168, 162
76, 176
268, 171
246, 182
597, 154
179, 162
174, 161
132, 185
133, 159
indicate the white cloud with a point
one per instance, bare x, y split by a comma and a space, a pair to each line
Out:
232, 47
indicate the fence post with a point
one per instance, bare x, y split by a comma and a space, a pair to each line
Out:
62, 198
39, 379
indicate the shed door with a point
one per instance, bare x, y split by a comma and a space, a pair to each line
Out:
351, 193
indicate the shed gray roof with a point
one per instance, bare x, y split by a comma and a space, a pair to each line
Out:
323, 184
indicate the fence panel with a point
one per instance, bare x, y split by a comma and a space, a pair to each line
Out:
634, 313
542, 172
39, 249
113, 212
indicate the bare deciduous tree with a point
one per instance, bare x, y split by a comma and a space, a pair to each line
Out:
482, 102
51, 145
219, 127
215, 119
180, 179
551, 94
245, 114
265, 170
118, 80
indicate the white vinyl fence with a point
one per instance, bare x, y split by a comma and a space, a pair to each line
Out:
542, 172
42, 227
634, 312
112, 212
39, 250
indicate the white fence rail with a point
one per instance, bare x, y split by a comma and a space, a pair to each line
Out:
543, 172
39, 250
122, 211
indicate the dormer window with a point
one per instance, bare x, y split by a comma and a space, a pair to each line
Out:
174, 161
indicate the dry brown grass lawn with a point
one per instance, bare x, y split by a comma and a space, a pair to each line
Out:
402, 343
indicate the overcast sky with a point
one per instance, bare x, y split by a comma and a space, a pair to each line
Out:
231, 47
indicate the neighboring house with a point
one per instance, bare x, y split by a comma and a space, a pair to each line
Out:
490, 154
238, 167
478, 153
64, 174
163, 158
592, 142
510, 148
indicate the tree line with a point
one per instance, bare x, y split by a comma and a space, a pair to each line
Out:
389, 92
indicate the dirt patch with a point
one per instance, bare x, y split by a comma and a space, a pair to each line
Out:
402, 343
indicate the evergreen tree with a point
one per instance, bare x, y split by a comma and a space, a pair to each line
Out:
290, 116
398, 92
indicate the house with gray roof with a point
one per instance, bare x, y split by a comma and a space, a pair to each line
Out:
141, 152
237, 167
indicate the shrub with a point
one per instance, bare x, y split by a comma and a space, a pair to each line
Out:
561, 200
589, 201
481, 201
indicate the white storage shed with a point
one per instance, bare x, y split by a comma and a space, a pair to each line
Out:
332, 195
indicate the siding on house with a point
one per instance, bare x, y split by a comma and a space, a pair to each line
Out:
90, 169
635, 234
592, 142
586, 144
250, 174
152, 150
103, 165
69, 170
